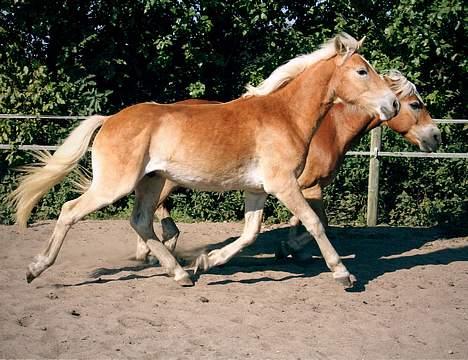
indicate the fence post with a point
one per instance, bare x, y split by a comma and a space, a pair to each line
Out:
373, 187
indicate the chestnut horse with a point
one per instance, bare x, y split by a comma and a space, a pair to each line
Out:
413, 122
258, 143
341, 127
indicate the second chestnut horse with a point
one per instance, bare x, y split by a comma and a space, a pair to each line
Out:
342, 126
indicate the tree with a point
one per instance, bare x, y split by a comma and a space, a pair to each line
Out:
69, 57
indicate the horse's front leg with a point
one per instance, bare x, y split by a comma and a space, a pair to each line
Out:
297, 241
291, 196
254, 203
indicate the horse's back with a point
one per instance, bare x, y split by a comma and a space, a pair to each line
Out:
194, 146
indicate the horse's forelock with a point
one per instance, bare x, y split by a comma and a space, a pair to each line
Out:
400, 85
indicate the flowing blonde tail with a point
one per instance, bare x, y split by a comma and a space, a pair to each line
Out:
40, 178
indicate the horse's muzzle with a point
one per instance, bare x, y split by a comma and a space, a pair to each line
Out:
431, 139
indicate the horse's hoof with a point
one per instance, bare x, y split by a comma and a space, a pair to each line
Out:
345, 279
185, 281
29, 276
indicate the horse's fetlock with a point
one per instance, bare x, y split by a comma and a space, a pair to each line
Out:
334, 262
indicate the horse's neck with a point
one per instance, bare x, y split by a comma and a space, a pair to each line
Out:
340, 127
350, 125
308, 97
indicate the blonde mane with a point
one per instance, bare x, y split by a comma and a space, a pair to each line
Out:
342, 44
400, 85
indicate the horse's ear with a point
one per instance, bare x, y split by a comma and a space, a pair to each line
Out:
345, 46
359, 44
339, 45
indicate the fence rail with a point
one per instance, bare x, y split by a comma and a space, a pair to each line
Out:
41, 117
374, 153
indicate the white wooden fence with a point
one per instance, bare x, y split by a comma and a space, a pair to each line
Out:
374, 153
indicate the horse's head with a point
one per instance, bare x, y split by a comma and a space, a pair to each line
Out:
356, 82
413, 121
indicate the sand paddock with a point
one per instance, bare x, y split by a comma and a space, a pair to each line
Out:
411, 300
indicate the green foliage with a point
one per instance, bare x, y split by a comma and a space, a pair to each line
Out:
346, 197
83, 57
33, 90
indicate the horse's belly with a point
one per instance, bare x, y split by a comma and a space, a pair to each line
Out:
247, 177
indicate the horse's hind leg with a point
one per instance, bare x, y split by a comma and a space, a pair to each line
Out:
170, 235
72, 211
170, 231
146, 199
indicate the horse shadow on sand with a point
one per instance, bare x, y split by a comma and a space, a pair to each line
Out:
369, 252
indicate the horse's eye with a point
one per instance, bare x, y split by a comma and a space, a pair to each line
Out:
415, 105
362, 72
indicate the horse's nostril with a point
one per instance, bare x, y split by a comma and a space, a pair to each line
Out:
396, 105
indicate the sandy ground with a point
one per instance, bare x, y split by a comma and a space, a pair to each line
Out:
96, 302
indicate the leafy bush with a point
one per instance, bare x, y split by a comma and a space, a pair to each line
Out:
33, 90
84, 57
